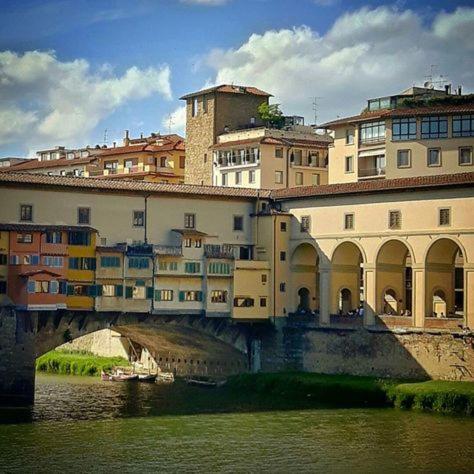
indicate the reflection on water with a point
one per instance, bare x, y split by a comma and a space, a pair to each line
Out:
84, 425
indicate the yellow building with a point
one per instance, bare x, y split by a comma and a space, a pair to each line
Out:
110, 278
80, 274
420, 132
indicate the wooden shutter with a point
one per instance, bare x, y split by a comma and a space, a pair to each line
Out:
118, 290
128, 292
157, 295
149, 292
182, 295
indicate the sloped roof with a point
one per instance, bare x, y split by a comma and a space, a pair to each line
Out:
36, 164
229, 89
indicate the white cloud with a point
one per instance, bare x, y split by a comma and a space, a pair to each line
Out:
209, 3
61, 102
175, 122
367, 53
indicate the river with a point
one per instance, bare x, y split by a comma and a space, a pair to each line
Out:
80, 424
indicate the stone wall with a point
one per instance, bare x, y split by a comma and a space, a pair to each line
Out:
403, 354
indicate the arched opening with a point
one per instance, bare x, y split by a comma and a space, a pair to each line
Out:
303, 294
305, 278
444, 280
394, 279
345, 301
347, 273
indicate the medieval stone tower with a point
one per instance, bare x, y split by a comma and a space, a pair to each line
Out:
211, 112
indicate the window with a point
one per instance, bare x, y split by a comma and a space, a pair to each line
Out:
465, 156
404, 129
238, 177
79, 238
282, 256
251, 176
192, 267
434, 127
463, 125
190, 295
349, 164
83, 215
163, 162
110, 165
138, 218
349, 221
349, 136
194, 106
3, 259
299, 179
315, 180
434, 157
187, 242
182, 162
110, 262
41, 286
278, 152
224, 179
372, 132
189, 221
164, 295
128, 164
238, 223
279, 177
218, 268
264, 278
198, 243
23, 238
218, 296
403, 158
138, 262
82, 263
283, 226
50, 261
163, 265
173, 266
108, 290
305, 224
445, 216
139, 292
243, 302
54, 237
394, 219
26, 212
204, 104
263, 302
282, 287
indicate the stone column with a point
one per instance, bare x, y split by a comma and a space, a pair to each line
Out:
324, 295
469, 295
418, 295
17, 358
370, 294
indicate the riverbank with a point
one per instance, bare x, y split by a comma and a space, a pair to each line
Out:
76, 363
349, 391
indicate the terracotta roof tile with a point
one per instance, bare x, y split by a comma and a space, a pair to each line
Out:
150, 148
273, 141
229, 89
23, 227
29, 179
36, 164
379, 185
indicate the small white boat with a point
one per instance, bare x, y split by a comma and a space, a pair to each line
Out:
165, 377
147, 378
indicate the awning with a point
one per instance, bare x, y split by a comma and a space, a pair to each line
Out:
376, 152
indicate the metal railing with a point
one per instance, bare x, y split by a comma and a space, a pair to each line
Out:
371, 172
175, 250
218, 251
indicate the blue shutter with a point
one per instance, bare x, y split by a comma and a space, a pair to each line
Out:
149, 292
118, 290
157, 295
53, 286
62, 287
31, 286
92, 290
35, 260
128, 292
181, 295
70, 290
99, 290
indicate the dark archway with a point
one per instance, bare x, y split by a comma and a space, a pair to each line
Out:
303, 294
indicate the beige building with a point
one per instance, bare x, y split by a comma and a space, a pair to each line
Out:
209, 113
402, 250
420, 132
264, 158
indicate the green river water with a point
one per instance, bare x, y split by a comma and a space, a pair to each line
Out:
81, 424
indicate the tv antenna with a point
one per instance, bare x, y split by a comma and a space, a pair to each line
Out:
315, 108
433, 79
170, 123
105, 136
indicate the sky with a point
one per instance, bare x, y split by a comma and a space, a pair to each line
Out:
80, 72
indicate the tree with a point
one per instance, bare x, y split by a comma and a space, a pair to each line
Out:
271, 115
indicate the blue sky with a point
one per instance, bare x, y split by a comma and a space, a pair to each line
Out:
77, 84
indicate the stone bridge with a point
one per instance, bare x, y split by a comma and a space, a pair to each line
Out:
188, 343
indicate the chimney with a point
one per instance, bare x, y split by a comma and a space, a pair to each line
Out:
141, 135
126, 140
447, 89
115, 144
459, 90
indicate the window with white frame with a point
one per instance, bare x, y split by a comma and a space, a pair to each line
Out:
349, 136
299, 179
315, 179
252, 176
279, 177
372, 132
238, 177
349, 164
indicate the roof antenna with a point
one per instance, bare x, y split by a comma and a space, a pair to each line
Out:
105, 136
315, 108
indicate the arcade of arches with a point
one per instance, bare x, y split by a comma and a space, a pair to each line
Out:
420, 282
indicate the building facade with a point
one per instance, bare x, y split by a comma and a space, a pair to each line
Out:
421, 132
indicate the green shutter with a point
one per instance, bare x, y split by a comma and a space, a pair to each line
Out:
92, 290
157, 295
129, 292
181, 295
99, 290
118, 290
70, 290
149, 292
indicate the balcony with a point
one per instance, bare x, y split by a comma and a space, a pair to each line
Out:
228, 160
371, 173
173, 250
218, 251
